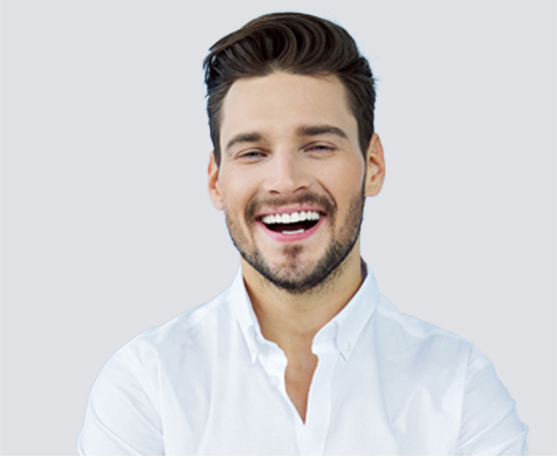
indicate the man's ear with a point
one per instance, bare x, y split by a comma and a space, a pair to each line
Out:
375, 167
214, 186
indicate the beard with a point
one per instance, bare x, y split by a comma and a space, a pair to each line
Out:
291, 275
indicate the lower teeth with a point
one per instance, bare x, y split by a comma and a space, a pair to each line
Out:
298, 231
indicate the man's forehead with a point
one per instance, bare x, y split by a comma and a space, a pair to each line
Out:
304, 102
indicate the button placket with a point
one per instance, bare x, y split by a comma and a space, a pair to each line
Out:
274, 362
312, 436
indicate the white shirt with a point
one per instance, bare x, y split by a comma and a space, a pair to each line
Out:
208, 383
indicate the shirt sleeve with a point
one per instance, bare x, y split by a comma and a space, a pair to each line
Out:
122, 415
490, 425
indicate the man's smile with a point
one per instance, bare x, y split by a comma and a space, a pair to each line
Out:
304, 219
291, 226
290, 220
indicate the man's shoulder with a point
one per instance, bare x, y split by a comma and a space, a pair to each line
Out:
388, 322
411, 325
190, 329
417, 336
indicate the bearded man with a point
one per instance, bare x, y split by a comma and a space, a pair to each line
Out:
301, 355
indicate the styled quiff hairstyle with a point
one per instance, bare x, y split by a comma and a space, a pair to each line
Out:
296, 43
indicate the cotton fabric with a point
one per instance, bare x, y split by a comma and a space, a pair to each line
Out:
209, 383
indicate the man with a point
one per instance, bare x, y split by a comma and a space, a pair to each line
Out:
301, 355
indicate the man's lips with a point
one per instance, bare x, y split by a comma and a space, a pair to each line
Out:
290, 235
290, 223
256, 209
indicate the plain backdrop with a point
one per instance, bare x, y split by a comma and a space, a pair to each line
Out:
108, 228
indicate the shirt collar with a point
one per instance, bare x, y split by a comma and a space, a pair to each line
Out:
352, 319
345, 327
245, 315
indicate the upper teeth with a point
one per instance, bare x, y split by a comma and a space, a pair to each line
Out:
295, 217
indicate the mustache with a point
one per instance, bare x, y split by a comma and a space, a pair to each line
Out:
325, 202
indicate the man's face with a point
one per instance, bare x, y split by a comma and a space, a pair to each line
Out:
292, 178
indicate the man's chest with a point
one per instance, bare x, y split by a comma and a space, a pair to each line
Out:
353, 407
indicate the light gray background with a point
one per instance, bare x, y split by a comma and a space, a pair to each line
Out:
107, 224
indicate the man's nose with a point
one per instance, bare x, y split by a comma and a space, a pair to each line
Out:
286, 173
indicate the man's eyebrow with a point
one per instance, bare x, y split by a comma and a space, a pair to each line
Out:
302, 131
244, 138
308, 131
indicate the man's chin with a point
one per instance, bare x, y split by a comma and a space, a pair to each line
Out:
293, 284
293, 276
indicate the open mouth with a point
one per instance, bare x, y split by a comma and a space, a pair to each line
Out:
291, 223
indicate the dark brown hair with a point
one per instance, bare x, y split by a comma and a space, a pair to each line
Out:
296, 43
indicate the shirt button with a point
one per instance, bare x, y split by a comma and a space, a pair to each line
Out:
347, 346
274, 380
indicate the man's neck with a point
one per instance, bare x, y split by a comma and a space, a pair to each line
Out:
292, 320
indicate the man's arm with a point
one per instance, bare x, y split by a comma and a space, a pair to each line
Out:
490, 425
122, 417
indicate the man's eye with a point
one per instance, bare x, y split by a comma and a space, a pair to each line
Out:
250, 155
320, 148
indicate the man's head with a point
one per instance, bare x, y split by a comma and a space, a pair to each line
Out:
294, 43
292, 171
